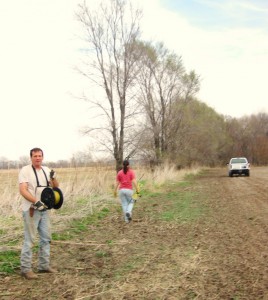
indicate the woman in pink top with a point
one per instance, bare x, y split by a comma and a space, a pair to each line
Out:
125, 180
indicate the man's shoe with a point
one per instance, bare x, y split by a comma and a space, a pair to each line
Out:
128, 216
48, 270
29, 275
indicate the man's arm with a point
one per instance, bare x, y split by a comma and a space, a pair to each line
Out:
28, 196
23, 188
54, 182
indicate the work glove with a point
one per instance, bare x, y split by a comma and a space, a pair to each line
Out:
52, 174
138, 194
40, 206
138, 189
115, 194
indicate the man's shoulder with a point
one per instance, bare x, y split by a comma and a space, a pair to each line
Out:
24, 173
26, 168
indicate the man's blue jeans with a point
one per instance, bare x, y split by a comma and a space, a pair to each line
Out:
40, 223
126, 201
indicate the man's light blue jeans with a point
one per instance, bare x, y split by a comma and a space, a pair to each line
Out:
40, 223
126, 201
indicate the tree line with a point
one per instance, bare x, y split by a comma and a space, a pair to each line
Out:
147, 99
204, 138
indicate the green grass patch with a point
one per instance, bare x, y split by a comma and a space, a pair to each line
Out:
132, 263
81, 201
80, 225
182, 207
9, 261
12, 243
184, 184
64, 236
190, 176
2, 231
100, 254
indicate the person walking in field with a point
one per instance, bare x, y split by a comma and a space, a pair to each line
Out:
125, 180
35, 214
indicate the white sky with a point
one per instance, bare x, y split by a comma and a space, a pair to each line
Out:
39, 48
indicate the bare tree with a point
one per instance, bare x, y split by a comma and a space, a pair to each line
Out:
254, 138
163, 82
111, 33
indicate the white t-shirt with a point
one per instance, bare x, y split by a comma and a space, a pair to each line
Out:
27, 174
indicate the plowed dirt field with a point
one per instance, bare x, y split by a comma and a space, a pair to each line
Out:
221, 254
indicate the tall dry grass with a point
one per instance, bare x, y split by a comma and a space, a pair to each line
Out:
85, 190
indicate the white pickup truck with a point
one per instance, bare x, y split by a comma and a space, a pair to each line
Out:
239, 166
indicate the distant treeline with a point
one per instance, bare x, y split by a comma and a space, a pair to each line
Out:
203, 138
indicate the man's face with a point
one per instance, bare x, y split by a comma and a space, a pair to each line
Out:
37, 158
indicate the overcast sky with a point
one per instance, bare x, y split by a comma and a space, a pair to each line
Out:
224, 41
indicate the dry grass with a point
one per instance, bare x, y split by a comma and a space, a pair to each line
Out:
85, 190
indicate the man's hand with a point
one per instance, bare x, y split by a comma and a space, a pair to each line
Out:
115, 194
40, 206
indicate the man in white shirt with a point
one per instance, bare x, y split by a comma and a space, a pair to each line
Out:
35, 214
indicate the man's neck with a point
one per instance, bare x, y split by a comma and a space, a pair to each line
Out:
37, 167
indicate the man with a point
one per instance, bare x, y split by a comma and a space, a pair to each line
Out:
35, 214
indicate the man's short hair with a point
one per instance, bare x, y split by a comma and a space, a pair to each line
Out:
36, 150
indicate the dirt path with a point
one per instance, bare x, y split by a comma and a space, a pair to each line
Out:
222, 255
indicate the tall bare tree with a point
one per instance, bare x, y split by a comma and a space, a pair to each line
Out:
163, 82
111, 32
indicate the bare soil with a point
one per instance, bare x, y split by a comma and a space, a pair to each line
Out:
221, 255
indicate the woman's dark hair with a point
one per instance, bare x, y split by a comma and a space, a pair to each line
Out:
36, 150
125, 166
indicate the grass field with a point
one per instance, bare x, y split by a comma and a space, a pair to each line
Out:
86, 191
193, 236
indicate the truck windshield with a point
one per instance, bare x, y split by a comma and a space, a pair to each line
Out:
238, 161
